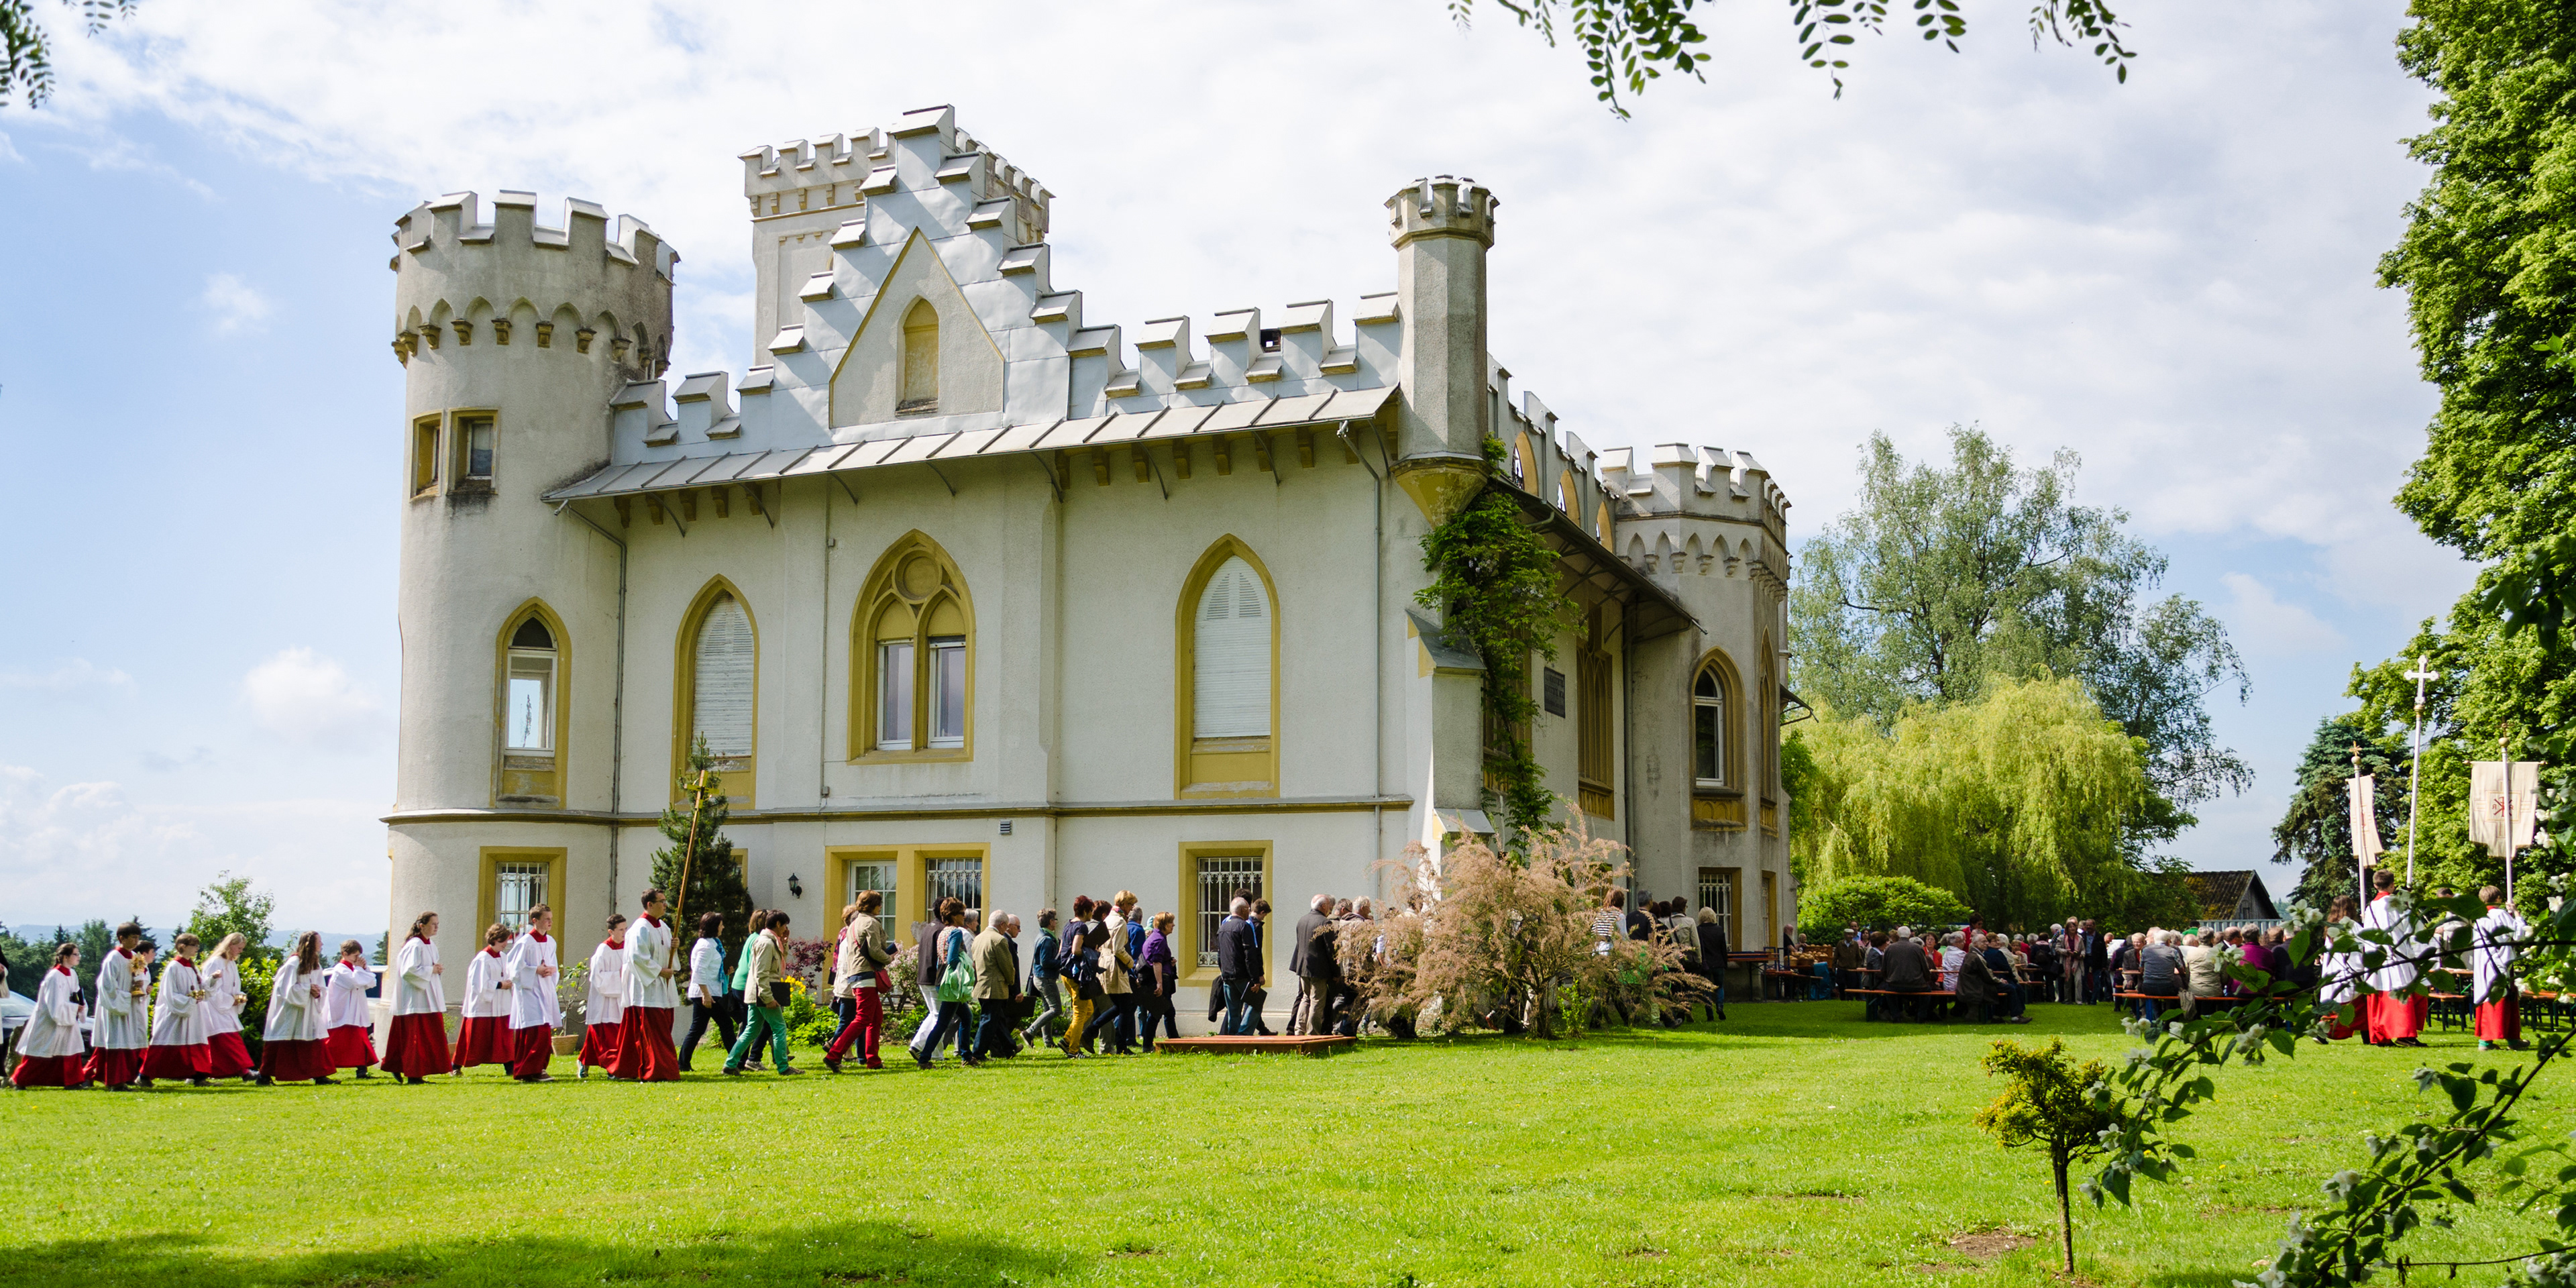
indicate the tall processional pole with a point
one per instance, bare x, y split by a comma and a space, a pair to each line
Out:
2415, 758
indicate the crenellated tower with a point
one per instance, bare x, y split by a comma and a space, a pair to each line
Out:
515, 339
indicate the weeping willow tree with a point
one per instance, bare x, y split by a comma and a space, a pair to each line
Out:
2016, 801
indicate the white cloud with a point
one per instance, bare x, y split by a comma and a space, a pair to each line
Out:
309, 699
233, 302
84, 850
79, 673
2262, 623
8, 151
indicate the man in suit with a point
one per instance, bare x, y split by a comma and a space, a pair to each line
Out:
1908, 967
1309, 1004
1850, 954
997, 982
1238, 964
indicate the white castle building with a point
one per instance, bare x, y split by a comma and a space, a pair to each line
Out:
974, 594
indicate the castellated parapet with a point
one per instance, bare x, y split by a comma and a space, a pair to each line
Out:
1690, 511
462, 281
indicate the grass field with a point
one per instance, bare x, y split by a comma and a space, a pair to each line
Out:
1791, 1146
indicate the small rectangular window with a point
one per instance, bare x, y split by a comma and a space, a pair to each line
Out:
959, 879
877, 875
894, 695
424, 455
517, 888
475, 445
530, 720
948, 692
1555, 690
1219, 880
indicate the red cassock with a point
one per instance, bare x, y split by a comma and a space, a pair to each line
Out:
2394, 1018
190, 1061
531, 1048
229, 1057
417, 1046
114, 1066
483, 1039
352, 1046
644, 1050
599, 1044
292, 1061
2499, 1021
49, 1071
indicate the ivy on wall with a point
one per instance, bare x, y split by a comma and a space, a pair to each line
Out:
1494, 583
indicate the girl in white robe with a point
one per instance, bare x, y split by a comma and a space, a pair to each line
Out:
535, 1011
416, 1046
224, 1002
123, 1026
295, 1043
348, 1028
49, 1048
484, 1037
603, 1008
178, 1047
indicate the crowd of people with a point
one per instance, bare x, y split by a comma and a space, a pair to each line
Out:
2159, 972
1102, 982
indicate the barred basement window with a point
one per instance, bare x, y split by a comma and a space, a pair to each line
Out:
1220, 879
960, 879
516, 888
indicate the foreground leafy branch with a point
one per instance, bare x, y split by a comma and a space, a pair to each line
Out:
27, 75
1629, 44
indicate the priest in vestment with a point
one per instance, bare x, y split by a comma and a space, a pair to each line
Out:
2394, 1017
534, 1008
49, 1048
2496, 940
123, 1026
644, 1050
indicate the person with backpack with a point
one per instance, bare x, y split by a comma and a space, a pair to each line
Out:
1117, 982
953, 990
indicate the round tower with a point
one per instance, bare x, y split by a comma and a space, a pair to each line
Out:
514, 340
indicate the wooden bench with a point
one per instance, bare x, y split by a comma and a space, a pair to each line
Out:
1321, 1044
1869, 1003
2211, 1003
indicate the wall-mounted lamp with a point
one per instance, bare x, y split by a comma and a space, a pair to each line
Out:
795, 888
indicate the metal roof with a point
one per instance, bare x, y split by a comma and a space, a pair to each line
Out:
1250, 415
1658, 612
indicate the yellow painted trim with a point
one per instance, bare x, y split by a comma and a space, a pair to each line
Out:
487, 872
836, 879
542, 611
738, 787
873, 596
1526, 462
912, 873
456, 448
1187, 761
1185, 947
414, 486
1731, 690
1770, 908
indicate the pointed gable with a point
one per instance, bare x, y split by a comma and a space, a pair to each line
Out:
868, 384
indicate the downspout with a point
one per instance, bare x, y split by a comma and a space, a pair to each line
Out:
1627, 740
823, 659
617, 709
1377, 642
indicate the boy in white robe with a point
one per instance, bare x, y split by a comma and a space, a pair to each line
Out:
347, 1026
49, 1048
484, 1036
603, 1008
178, 1048
535, 1011
2496, 942
295, 1043
221, 970
124, 1024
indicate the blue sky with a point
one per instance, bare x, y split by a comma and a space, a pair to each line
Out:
200, 414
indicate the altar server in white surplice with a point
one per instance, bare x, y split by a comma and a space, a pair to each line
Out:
123, 1026
644, 1050
2394, 1020
416, 1047
484, 1037
224, 1002
178, 1047
49, 1048
603, 1007
535, 1011
2497, 942
349, 1025
295, 1044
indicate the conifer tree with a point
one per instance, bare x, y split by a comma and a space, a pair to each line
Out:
2316, 830
698, 845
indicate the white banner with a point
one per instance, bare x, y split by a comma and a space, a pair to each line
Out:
2488, 825
2362, 793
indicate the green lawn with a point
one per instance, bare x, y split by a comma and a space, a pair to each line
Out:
1791, 1146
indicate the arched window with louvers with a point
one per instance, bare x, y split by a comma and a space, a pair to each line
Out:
1226, 735
718, 696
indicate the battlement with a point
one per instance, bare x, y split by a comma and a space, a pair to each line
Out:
839, 172
1441, 206
576, 286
